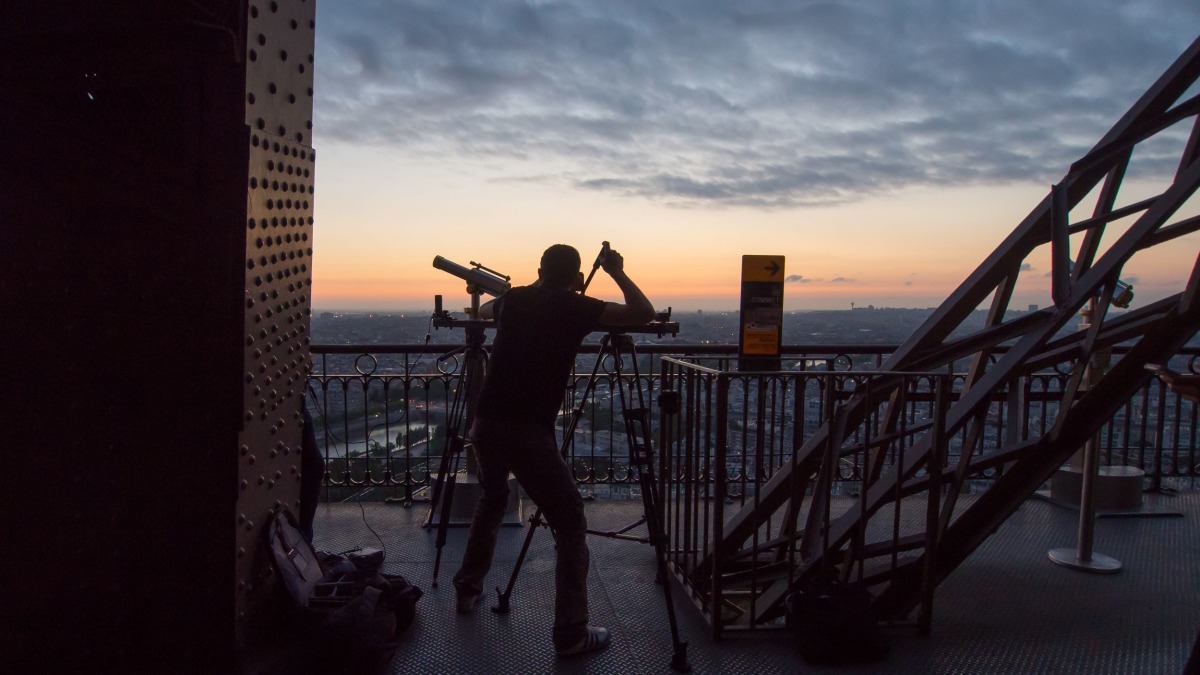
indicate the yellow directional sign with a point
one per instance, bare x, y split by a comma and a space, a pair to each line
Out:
762, 268
761, 312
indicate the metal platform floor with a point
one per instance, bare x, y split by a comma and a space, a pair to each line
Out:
1008, 609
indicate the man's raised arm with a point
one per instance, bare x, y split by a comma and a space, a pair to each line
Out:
637, 309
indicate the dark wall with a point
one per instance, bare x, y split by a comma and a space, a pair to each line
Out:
134, 438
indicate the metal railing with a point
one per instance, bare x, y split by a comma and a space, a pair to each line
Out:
714, 466
380, 416
729, 433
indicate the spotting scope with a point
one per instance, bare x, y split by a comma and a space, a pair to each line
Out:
483, 279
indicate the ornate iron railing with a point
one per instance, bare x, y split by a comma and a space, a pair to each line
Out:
380, 415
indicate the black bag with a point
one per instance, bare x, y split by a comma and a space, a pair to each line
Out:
348, 611
295, 561
357, 617
834, 624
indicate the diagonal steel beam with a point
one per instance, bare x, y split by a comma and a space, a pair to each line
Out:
929, 347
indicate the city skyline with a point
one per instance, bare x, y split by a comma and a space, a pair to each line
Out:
883, 150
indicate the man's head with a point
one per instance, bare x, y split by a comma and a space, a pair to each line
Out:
560, 267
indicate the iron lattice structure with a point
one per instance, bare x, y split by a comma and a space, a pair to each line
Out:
1088, 254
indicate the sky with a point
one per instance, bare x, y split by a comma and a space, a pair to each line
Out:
882, 148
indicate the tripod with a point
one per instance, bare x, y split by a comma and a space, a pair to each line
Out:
641, 458
457, 423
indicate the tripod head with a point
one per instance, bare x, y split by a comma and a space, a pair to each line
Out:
660, 326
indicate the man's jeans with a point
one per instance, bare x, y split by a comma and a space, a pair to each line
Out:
531, 454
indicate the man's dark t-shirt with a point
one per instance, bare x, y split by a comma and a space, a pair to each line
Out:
538, 333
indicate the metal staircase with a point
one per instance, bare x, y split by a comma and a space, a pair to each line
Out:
1088, 253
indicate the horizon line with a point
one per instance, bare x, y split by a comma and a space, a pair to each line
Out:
674, 310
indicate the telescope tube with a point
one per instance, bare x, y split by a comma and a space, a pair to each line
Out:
484, 281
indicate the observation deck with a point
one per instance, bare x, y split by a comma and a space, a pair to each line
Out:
1005, 608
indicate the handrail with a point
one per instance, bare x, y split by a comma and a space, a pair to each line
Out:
378, 418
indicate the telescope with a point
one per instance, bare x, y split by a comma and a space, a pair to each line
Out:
482, 279
1122, 294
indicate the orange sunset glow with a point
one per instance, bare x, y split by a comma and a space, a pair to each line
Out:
884, 171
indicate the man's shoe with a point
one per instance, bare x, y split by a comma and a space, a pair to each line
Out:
596, 638
465, 603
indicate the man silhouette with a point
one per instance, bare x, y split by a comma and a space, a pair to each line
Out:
538, 332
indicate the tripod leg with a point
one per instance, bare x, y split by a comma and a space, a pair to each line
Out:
679, 661
454, 447
502, 606
456, 431
439, 484
637, 428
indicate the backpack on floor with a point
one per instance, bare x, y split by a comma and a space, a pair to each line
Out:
349, 612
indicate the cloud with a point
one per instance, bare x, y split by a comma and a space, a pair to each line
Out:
761, 104
797, 279
840, 280
1026, 267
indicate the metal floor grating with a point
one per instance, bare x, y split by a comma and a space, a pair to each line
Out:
1008, 609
